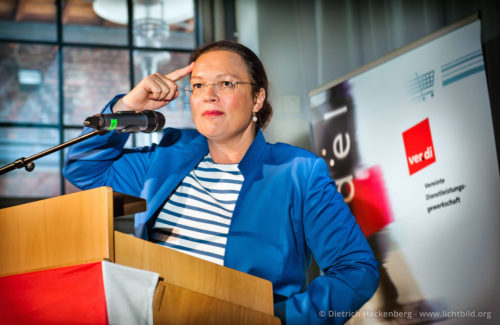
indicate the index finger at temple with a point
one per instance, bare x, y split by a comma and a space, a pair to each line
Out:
180, 73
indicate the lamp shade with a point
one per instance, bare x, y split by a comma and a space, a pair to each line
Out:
174, 11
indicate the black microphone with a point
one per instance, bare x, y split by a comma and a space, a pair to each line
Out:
127, 121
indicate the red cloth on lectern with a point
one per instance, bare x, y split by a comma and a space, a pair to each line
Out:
68, 295
370, 204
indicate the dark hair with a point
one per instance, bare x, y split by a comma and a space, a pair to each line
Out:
255, 70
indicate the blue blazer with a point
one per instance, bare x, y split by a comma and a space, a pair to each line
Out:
288, 210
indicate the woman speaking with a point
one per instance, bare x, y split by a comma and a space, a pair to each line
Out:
222, 193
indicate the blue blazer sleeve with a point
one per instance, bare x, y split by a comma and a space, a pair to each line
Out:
350, 271
102, 161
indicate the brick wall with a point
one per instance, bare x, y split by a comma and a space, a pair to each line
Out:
91, 78
38, 105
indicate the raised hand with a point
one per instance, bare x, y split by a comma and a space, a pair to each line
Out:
153, 92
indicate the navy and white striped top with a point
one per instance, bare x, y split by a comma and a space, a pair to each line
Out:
195, 219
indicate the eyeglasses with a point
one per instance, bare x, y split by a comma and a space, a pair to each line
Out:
224, 87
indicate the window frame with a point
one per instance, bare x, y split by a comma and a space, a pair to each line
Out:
61, 45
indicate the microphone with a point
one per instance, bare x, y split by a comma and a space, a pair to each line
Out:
127, 121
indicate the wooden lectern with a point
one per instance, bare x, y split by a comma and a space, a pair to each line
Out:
78, 228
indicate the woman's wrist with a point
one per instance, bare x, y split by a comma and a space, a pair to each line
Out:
120, 106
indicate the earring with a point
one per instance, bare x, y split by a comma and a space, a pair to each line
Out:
254, 118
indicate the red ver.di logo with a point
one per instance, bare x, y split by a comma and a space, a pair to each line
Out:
418, 146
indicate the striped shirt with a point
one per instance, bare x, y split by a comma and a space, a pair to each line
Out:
195, 219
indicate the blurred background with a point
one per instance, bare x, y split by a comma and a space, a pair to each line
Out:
62, 60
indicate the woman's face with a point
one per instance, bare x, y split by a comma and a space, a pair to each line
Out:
223, 116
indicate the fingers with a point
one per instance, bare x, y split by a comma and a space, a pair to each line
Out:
180, 73
161, 88
156, 90
164, 88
